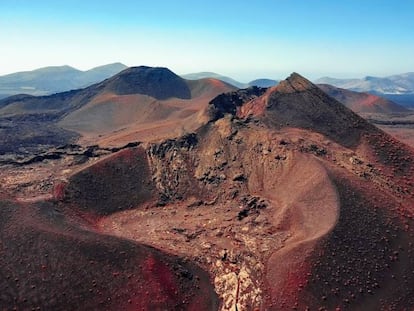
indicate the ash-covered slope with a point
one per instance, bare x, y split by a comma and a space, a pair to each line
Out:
144, 104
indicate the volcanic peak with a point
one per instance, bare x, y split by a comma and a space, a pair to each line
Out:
157, 82
295, 102
294, 83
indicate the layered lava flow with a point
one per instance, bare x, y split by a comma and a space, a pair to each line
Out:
284, 199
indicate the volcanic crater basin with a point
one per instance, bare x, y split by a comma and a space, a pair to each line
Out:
268, 213
262, 211
260, 205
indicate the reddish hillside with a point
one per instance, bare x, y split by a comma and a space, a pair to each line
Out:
296, 102
53, 260
362, 102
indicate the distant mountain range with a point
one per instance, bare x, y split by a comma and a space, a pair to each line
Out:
263, 82
398, 88
401, 84
203, 75
240, 85
396, 84
49, 80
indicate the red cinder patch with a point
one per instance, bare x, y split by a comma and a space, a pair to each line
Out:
59, 191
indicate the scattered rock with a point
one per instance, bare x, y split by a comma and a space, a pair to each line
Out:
239, 177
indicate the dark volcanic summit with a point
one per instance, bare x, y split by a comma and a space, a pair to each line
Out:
160, 83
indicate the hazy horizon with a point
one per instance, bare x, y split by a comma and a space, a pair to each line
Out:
267, 39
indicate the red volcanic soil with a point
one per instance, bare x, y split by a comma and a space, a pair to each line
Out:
366, 262
52, 260
299, 221
296, 102
283, 200
406, 135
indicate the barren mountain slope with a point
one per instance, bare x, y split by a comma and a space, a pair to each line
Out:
130, 106
126, 110
286, 198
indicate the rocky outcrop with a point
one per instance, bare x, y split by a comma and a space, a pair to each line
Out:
80, 153
172, 169
227, 103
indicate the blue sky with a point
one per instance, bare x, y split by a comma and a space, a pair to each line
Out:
245, 40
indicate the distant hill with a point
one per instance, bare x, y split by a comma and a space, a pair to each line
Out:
362, 102
202, 75
49, 80
396, 84
157, 82
263, 82
100, 73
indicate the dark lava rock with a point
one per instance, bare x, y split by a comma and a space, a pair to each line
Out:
228, 102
